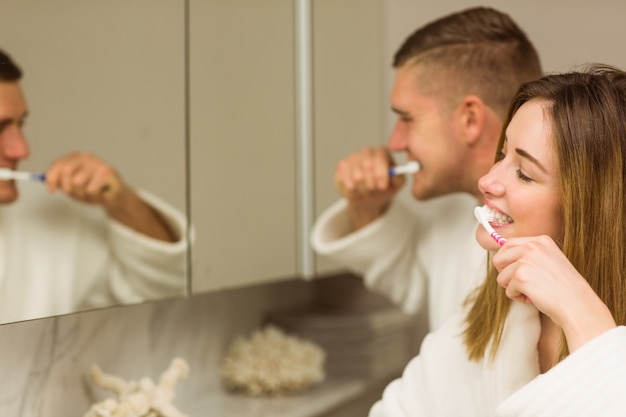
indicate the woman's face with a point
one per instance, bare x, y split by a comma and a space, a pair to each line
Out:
522, 189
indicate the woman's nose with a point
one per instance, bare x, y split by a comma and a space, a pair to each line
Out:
491, 183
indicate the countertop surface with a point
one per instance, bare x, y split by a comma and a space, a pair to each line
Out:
313, 402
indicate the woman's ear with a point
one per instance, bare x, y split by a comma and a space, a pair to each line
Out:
472, 113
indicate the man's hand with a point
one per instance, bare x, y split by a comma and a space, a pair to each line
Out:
86, 178
363, 179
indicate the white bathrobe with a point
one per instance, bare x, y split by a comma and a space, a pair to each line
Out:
58, 255
442, 382
417, 253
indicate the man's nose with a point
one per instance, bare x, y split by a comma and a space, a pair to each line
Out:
13, 143
397, 139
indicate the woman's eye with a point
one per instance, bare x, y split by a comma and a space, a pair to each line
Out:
523, 177
500, 155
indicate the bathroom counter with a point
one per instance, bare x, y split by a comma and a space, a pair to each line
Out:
376, 334
317, 401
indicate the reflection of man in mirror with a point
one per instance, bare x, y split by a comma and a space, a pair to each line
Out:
106, 244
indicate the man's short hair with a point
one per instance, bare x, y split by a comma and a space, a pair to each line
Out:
479, 51
9, 71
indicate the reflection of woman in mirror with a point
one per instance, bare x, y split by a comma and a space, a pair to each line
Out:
540, 338
107, 244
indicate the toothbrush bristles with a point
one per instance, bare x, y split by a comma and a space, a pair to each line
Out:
484, 217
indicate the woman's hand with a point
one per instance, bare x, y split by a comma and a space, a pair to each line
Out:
534, 269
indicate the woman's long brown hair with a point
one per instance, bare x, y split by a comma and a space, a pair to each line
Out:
587, 110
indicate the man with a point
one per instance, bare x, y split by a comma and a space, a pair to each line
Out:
454, 78
107, 243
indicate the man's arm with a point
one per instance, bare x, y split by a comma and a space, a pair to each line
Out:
86, 178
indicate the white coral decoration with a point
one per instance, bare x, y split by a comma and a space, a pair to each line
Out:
139, 398
272, 363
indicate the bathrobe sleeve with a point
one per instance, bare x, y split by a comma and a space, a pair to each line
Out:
382, 252
58, 255
415, 252
443, 382
143, 268
589, 382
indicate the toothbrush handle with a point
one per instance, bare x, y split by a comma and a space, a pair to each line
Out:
499, 239
408, 168
397, 170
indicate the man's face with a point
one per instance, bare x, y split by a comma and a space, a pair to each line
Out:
13, 146
426, 130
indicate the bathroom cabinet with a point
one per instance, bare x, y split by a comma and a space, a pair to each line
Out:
242, 94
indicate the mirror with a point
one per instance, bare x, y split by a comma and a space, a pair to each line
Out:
107, 78
243, 158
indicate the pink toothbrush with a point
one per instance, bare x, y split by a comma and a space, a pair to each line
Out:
483, 218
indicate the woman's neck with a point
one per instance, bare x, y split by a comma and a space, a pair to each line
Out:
548, 345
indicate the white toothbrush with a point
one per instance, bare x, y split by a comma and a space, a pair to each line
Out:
483, 218
408, 168
7, 174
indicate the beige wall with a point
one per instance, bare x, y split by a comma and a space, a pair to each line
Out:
565, 32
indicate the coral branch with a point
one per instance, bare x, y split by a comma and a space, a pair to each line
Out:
141, 398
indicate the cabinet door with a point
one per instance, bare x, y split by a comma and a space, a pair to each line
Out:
242, 148
349, 91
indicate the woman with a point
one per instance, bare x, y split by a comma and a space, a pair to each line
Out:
538, 338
